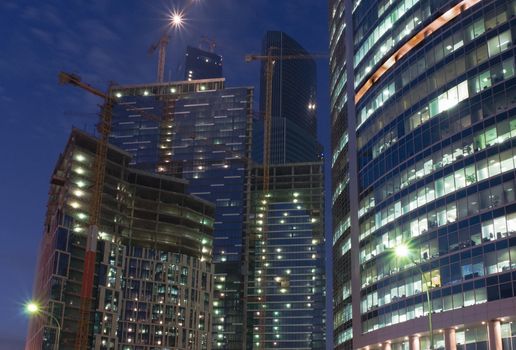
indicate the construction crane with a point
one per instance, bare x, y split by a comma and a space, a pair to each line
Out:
162, 46
270, 59
99, 166
99, 170
176, 22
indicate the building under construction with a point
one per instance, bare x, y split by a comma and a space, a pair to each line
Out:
153, 272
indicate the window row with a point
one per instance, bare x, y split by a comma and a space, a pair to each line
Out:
343, 141
442, 301
479, 54
497, 102
433, 246
451, 271
344, 224
401, 31
383, 27
476, 85
342, 316
480, 199
433, 82
502, 131
461, 178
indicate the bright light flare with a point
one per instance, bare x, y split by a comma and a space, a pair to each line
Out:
32, 308
177, 19
401, 251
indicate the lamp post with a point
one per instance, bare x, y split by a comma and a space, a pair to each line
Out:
33, 308
402, 251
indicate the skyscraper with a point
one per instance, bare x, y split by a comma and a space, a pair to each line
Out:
204, 137
200, 64
286, 284
294, 125
286, 288
423, 124
153, 275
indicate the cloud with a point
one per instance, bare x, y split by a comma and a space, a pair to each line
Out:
42, 35
43, 13
96, 31
68, 43
4, 97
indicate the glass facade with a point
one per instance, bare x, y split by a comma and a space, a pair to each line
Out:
286, 291
423, 117
200, 64
205, 138
153, 275
294, 125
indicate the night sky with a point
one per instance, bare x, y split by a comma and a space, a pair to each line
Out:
103, 41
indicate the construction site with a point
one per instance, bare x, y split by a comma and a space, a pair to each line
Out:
163, 231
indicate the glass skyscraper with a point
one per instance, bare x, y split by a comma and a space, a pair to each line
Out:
286, 283
423, 120
286, 288
204, 136
294, 87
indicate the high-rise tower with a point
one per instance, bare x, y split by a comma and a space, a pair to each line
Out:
286, 284
294, 87
423, 103
204, 137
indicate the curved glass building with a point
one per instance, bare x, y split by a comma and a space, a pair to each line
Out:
423, 98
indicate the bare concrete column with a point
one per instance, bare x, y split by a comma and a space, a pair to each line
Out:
386, 345
414, 343
450, 341
494, 332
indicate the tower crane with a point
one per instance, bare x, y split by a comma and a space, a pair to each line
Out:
162, 46
270, 59
176, 22
99, 167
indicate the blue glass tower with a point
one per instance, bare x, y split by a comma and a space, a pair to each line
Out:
286, 284
294, 125
286, 288
204, 136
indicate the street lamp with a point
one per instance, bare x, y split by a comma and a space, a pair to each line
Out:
35, 309
403, 251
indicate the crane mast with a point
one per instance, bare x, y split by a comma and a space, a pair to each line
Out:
99, 171
99, 167
161, 45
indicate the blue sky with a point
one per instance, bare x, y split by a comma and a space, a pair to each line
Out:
103, 41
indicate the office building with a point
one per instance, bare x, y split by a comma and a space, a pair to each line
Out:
423, 105
286, 290
204, 137
294, 87
153, 272
200, 64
